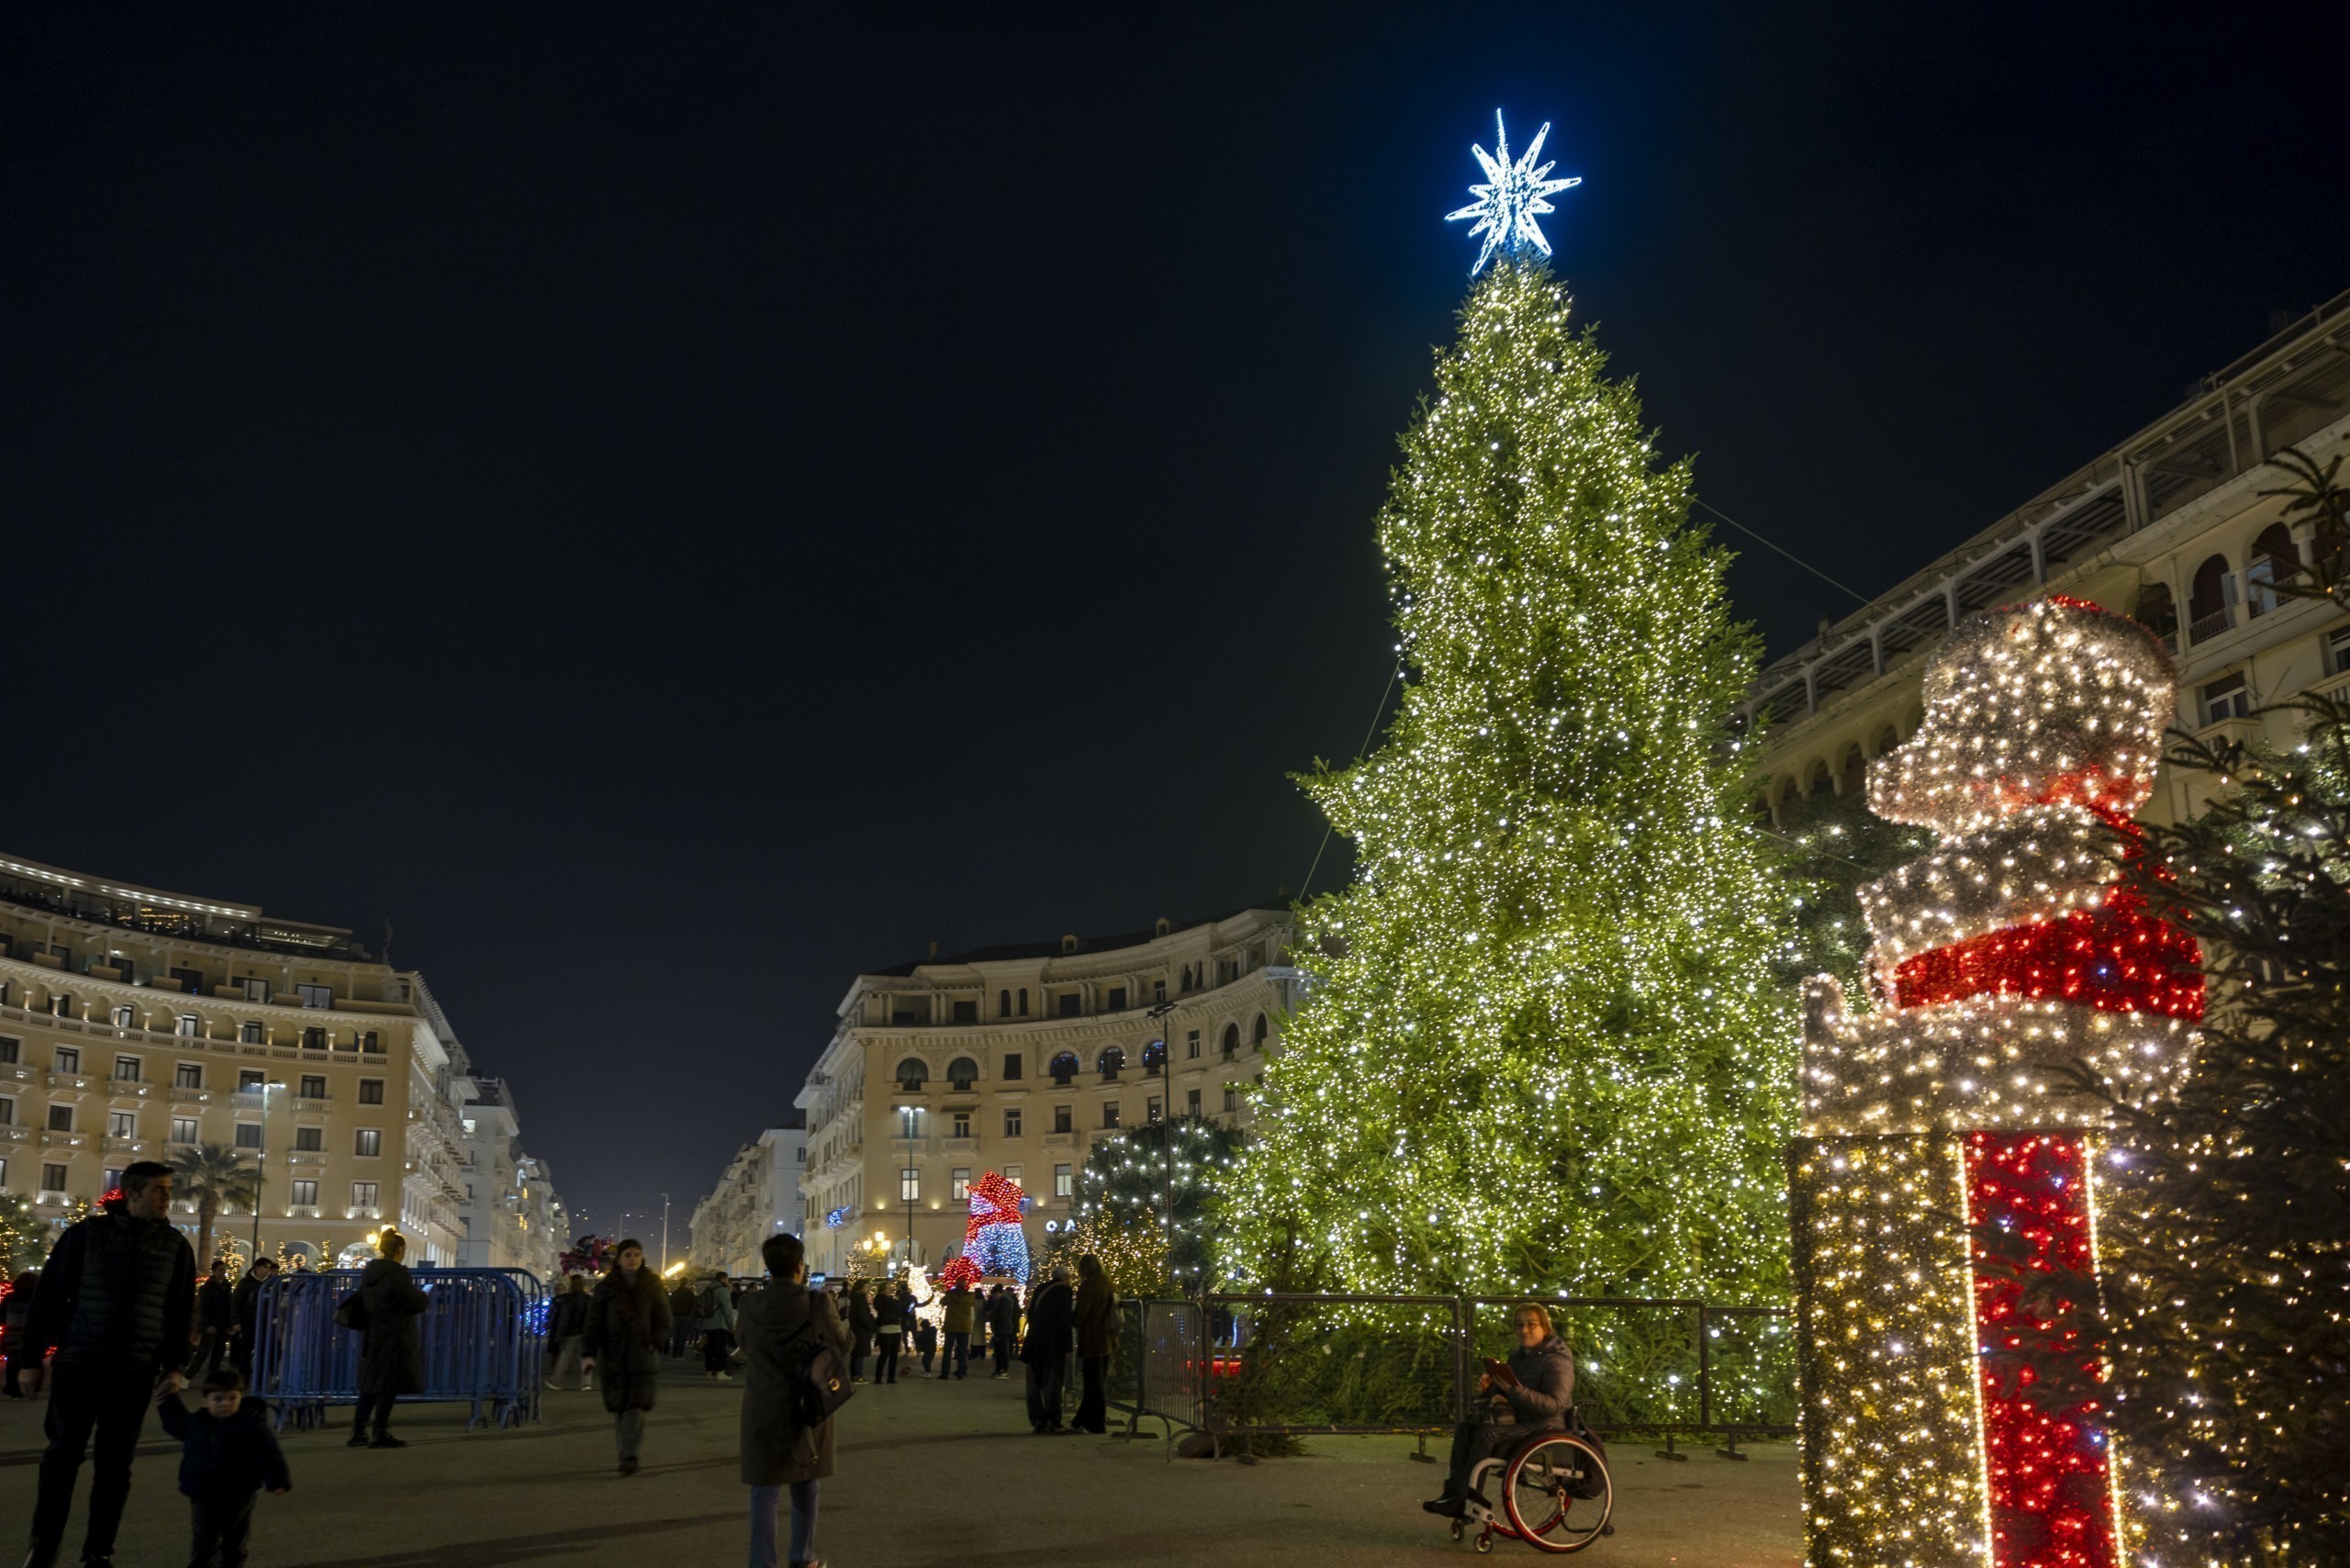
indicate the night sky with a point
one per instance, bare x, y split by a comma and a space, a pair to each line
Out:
673, 505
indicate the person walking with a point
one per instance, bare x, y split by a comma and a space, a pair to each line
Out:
1003, 1328
628, 1322
861, 1325
391, 1356
116, 1298
13, 1344
1096, 1322
717, 1328
780, 1326
245, 1308
888, 1334
216, 1314
228, 1454
566, 1321
962, 1311
685, 1317
1046, 1351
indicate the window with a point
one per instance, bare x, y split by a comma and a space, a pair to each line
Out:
1011, 1066
184, 1026
256, 990
2337, 653
52, 1178
1062, 1184
1158, 992
1071, 1003
372, 1043
314, 1086
1012, 1174
188, 1075
362, 1194
183, 1129
1111, 1062
909, 1121
1003, 1005
909, 1184
126, 1018
912, 1073
1154, 1057
1012, 1122
371, 1091
1187, 976
959, 1125
306, 1195
1192, 1103
126, 1070
1192, 1045
1117, 999
1264, 1027
1063, 1068
8, 1113
370, 1142
315, 996
1151, 1109
967, 1013
248, 1135
309, 1140
191, 980
250, 1033
249, 1080
314, 1039
961, 1182
1232, 1039
962, 1072
2212, 602
1023, 1001
63, 1004
68, 1060
1109, 1113
1232, 1097
10, 1050
61, 1118
122, 1124
109, 1178
1064, 1119
2226, 698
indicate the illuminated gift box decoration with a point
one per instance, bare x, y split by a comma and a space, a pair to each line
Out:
2000, 965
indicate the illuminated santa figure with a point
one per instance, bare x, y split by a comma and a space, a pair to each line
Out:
993, 1239
1945, 1189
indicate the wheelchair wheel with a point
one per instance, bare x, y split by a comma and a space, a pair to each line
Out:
1542, 1492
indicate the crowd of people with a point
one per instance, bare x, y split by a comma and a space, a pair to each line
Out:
126, 1323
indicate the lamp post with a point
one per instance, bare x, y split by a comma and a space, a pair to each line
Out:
1158, 1015
261, 1170
910, 1117
665, 1234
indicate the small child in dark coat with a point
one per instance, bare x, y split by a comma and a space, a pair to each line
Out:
227, 1455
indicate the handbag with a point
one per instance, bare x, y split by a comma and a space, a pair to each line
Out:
351, 1312
823, 1386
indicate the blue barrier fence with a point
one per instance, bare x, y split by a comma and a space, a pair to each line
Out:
483, 1335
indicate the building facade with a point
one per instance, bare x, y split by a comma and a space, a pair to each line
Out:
2169, 526
509, 1215
758, 1197
1016, 1059
134, 1022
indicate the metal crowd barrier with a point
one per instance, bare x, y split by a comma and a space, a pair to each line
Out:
482, 1334
1238, 1367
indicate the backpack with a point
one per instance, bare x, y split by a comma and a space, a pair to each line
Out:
820, 1381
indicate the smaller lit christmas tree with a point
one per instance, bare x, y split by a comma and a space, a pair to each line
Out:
1123, 1192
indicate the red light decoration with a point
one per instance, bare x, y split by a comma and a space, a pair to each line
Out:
2114, 959
958, 1271
2048, 1473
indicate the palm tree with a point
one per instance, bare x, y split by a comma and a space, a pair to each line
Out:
217, 1177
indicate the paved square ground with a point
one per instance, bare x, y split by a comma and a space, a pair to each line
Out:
931, 1475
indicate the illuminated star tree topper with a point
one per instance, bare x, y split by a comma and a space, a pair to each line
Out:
1513, 198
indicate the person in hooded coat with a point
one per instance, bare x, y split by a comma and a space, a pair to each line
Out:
1538, 1402
391, 1357
777, 1327
628, 1324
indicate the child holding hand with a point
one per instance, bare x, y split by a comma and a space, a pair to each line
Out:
227, 1455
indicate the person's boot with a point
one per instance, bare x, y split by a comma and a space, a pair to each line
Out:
386, 1441
358, 1437
42, 1555
1446, 1507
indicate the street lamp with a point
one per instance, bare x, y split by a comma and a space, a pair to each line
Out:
665, 1234
1158, 1015
261, 1168
910, 1116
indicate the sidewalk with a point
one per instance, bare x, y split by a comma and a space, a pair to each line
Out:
931, 1475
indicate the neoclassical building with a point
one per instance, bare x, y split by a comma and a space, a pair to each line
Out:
2169, 526
757, 1197
1016, 1059
134, 1021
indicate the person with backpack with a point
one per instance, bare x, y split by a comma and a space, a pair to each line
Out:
787, 1330
628, 1322
717, 1304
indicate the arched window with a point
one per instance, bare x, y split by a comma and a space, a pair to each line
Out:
912, 1073
962, 1072
1023, 1001
1112, 1062
2212, 602
1821, 780
2157, 612
1154, 1057
1264, 1027
1232, 1039
250, 1032
1064, 1067
1003, 1005
1854, 773
2274, 559
1886, 739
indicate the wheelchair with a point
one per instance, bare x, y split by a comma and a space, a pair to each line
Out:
1555, 1495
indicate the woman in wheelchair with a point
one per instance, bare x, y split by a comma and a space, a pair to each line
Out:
1545, 1370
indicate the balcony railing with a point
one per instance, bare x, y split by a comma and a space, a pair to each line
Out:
2203, 628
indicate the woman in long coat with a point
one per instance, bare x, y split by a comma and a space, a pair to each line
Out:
1095, 1319
777, 1326
628, 1324
391, 1357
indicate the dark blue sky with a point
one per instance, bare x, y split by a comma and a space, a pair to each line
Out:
673, 505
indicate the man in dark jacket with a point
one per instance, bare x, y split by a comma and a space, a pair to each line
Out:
1046, 1351
779, 1327
245, 1307
116, 1299
1535, 1397
215, 1313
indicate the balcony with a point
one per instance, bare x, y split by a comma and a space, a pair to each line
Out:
320, 1103
10, 1133
182, 1095
134, 1146
1058, 1141
129, 1088
70, 1081
966, 1146
15, 1073
50, 1139
2203, 628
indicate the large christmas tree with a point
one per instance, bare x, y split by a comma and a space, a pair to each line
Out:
1545, 1049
